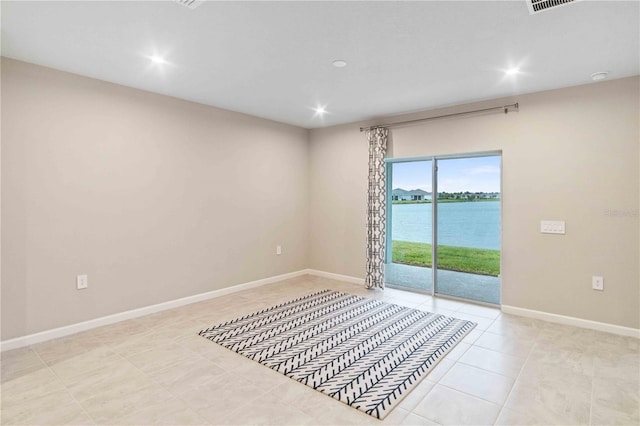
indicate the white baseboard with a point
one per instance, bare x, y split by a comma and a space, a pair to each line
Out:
55, 333
576, 322
333, 276
545, 316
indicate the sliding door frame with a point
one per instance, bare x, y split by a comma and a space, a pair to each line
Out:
434, 212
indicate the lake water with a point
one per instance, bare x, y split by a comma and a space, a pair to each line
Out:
459, 224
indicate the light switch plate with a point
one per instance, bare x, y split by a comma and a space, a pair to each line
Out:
552, 226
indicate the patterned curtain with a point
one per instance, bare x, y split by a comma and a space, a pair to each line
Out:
376, 208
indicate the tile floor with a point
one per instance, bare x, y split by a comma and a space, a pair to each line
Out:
157, 370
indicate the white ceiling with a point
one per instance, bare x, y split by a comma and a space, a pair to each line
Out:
273, 59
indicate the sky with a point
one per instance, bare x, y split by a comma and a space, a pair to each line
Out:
478, 174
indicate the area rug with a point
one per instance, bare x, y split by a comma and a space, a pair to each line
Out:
363, 352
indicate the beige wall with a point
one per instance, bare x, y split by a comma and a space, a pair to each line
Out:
153, 197
157, 198
569, 154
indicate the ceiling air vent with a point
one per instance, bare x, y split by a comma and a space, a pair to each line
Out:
537, 6
191, 4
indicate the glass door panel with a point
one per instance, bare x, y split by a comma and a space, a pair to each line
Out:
468, 228
409, 221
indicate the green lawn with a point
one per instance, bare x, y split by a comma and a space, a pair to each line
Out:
462, 259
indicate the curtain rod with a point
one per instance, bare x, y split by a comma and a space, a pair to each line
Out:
504, 108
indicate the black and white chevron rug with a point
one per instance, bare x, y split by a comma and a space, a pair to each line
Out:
366, 353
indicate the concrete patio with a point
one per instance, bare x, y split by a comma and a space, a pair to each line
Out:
480, 288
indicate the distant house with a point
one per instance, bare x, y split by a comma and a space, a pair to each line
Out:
400, 194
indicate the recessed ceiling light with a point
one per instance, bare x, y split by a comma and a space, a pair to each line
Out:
512, 71
320, 110
601, 75
156, 59
339, 63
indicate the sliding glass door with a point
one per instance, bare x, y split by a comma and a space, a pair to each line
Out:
468, 236
409, 227
462, 223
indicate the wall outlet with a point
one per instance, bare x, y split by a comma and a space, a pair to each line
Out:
597, 283
82, 282
278, 250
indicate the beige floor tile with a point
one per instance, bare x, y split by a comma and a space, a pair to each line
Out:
111, 404
113, 379
562, 332
84, 363
580, 362
482, 323
142, 343
402, 417
534, 416
162, 357
409, 299
53, 408
403, 302
472, 336
396, 416
616, 401
440, 370
58, 350
452, 305
178, 377
170, 412
158, 370
264, 412
185, 328
322, 408
167, 318
219, 394
522, 321
480, 311
82, 419
520, 328
19, 362
459, 349
617, 366
555, 395
224, 358
506, 345
308, 399
573, 343
120, 332
437, 310
416, 395
414, 419
200, 345
29, 387
480, 383
262, 376
493, 361
450, 407
612, 342
602, 415
535, 372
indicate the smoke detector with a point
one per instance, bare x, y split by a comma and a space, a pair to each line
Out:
537, 6
191, 4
